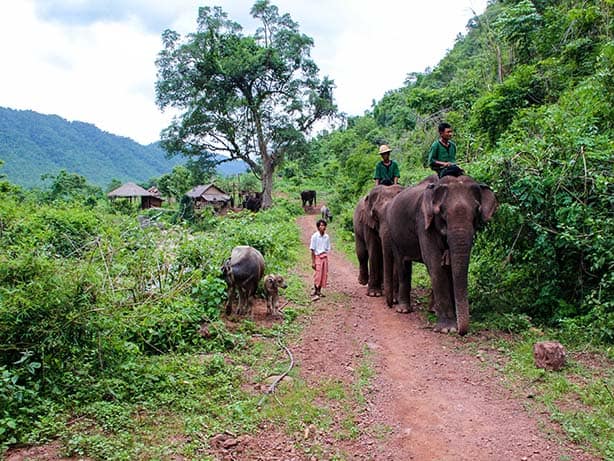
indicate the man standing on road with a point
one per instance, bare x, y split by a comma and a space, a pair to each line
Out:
320, 247
442, 155
386, 171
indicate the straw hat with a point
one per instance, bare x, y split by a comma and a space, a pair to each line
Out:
384, 149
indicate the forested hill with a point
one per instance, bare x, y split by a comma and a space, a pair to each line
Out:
32, 144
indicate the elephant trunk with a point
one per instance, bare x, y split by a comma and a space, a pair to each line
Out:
460, 251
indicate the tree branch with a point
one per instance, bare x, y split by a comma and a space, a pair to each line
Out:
273, 386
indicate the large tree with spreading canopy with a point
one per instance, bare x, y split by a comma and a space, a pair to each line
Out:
249, 97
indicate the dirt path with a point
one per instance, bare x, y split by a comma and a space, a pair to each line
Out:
441, 402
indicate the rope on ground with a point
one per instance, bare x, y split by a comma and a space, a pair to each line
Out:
274, 384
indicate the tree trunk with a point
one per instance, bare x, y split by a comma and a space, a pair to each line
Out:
499, 66
267, 182
268, 166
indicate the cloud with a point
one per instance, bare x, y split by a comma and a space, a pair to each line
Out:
153, 16
94, 61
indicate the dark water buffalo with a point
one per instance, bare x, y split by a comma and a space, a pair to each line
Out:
308, 196
242, 272
253, 203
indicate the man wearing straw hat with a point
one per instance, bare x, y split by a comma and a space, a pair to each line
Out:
386, 171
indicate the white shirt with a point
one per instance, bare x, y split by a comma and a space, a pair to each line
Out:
319, 243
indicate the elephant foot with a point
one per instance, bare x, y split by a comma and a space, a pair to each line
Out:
392, 302
445, 326
403, 308
363, 280
374, 293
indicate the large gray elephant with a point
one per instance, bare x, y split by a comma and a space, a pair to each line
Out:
369, 230
435, 222
242, 273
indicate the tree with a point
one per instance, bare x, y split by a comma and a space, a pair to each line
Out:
249, 97
70, 186
177, 183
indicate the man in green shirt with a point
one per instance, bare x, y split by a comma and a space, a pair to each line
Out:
442, 156
386, 171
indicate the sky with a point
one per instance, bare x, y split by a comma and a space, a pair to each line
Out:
94, 61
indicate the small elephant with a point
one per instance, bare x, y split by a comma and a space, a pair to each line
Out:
369, 231
272, 284
435, 223
308, 196
242, 273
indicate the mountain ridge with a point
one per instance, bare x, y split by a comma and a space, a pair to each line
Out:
33, 144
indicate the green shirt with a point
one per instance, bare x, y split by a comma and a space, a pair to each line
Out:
383, 172
441, 153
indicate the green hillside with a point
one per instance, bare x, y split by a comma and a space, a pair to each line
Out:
33, 144
530, 94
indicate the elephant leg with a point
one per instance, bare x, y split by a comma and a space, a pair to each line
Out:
374, 287
395, 286
363, 261
404, 278
391, 283
443, 301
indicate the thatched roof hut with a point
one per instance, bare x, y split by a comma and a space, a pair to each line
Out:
209, 194
131, 190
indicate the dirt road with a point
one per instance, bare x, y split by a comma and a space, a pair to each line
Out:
441, 401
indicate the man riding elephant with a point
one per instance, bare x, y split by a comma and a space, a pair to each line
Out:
387, 171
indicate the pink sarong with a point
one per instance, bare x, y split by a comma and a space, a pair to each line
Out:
321, 275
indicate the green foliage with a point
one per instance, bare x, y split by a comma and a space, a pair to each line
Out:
517, 24
493, 112
178, 182
72, 187
87, 295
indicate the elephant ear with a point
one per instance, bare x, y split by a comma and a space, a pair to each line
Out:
488, 202
432, 198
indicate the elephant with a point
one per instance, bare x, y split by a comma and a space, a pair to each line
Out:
242, 273
369, 231
434, 223
308, 196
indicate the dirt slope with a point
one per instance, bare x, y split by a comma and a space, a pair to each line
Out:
442, 403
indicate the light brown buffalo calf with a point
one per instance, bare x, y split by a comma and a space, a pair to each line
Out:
272, 284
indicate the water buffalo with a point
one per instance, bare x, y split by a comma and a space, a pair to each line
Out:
308, 196
253, 202
272, 284
242, 272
